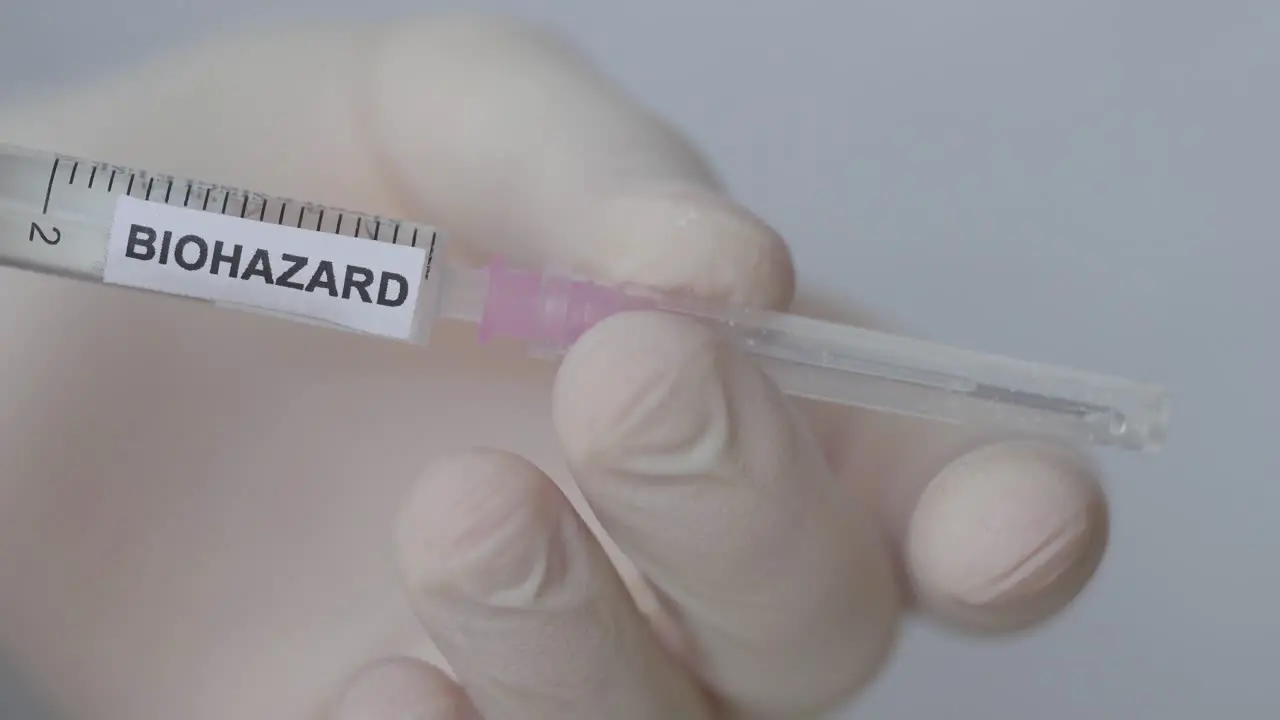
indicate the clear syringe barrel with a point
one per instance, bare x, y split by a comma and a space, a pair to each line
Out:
830, 362
57, 212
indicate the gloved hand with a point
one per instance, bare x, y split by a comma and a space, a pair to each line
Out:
198, 505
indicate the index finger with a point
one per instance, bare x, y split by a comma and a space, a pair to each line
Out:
503, 137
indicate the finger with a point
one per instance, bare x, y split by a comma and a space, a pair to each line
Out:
703, 474
523, 603
402, 689
993, 534
1006, 536
532, 152
498, 134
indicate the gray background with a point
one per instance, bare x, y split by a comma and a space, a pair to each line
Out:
1091, 183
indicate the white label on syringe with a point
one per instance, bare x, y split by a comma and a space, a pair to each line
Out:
364, 285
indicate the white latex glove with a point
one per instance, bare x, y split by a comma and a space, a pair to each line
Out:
197, 507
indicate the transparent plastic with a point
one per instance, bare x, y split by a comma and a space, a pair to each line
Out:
56, 211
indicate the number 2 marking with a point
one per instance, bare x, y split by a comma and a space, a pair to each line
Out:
37, 230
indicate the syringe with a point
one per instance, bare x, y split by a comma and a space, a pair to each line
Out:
123, 226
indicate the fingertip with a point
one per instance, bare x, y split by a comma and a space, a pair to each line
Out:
686, 237
475, 525
639, 386
396, 688
1007, 536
